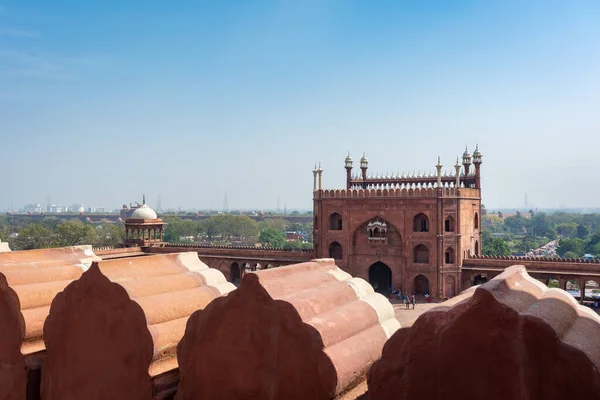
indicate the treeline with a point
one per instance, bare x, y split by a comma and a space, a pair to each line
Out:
52, 232
577, 234
228, 229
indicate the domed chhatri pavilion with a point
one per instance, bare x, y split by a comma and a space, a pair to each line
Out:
143, 227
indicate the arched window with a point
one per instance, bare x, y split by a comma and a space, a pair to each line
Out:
449, 224
449, 255
335, 251
476, 222
421, 254
476, 248
421, 223
335, 222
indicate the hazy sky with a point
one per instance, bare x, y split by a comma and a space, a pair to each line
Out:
101, 101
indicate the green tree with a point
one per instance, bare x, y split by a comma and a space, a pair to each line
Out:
176, 228
73, 232
570, 254
567, 229
595, 250
272, 237
574, 246
590, 246
527, 244
541, 225
582, 231
277, 223
110, 234
494, 246
515, 224
34, 236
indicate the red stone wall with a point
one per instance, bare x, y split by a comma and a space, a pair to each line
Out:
397, 253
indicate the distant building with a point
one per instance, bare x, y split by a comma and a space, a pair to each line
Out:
53, 208
33, 208
76, 208
295, 236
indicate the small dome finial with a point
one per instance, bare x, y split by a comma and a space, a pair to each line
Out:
144, 198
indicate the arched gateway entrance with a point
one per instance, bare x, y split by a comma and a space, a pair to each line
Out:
234, 273
380, 277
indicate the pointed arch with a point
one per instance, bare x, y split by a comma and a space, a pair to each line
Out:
449, 224
421, 223
476, 221
449, 256
335, 251
335, 222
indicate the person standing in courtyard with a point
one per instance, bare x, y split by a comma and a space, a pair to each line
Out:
413, 300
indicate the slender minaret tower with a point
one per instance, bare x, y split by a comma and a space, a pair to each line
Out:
466, 161
315, 173
439, 173
364, 165
477, 162
320, 171
457, 168
348, 166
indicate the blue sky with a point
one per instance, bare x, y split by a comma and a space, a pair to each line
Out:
102, 101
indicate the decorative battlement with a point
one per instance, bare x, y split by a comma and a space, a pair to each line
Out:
208, 246
419, 192
540, 259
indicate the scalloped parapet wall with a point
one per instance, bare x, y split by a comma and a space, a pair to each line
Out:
511, 338
304, 331
113, 333
29, 280
208, 246
542, 259
423, 192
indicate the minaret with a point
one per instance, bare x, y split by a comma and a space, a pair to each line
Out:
457, 168
320, 171
477, 162
466, 162
364, 165
315, 172
439, 173
348, 166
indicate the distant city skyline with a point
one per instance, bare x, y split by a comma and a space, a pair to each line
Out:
102, 102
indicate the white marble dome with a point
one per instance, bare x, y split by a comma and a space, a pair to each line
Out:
143, 212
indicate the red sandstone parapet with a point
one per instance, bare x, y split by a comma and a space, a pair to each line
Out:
113, 333
511, 338
29, 280
305, 331
411, 192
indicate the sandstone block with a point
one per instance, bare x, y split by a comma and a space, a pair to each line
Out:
304, 331
112, 334
29, 280
511, 338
